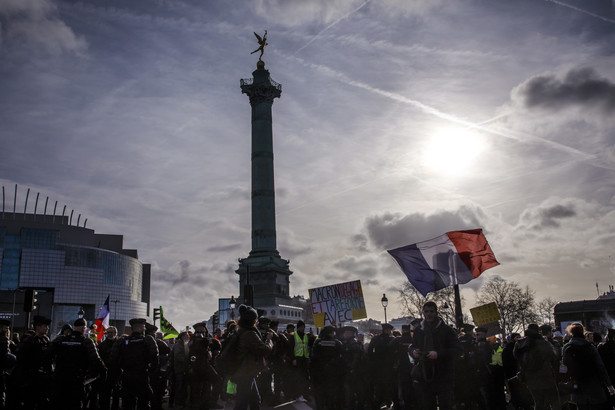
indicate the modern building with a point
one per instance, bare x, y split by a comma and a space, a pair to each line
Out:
71, 268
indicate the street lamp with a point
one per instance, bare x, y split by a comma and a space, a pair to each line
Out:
81, 312
385, 303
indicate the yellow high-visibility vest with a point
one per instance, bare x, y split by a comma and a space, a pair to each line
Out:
301, 346
496, 358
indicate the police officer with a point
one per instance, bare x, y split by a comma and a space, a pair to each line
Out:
355, 385
403, 366
109, 389
201, 373
33, 370
132, 359
380, 360
77, 364
158, 373
326, 370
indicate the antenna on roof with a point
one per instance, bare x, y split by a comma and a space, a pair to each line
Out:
85, 222
54, 212
2, 201
70, 221
26, 204
597, 289
63, 212
14, 201
45, 211
36, 205
78, 218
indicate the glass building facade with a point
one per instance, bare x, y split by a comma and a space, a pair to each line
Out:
71, 268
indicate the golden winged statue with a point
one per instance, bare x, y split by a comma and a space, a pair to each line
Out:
262, 42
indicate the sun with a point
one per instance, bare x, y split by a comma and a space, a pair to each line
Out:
452, 151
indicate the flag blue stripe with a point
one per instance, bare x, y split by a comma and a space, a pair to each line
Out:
418, 271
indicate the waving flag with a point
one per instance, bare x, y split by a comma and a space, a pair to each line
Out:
167, 328
453, 258
102, 322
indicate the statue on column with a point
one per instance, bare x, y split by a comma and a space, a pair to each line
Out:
262, 41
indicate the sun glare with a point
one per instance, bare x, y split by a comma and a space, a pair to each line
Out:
452, 151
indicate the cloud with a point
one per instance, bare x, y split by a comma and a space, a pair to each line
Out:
582, 87
35, 23
389, 230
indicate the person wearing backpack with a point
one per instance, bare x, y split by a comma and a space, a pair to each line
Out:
251, 351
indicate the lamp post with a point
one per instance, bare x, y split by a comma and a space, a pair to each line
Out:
385, 303
232, 305
81, 312
115, 302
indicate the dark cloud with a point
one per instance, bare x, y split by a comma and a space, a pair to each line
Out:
388, 230
581, 87
225, 248
541, 218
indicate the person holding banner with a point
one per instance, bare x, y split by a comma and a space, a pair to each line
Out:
434, 349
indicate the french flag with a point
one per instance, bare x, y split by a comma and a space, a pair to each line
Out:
102, 322
453, 258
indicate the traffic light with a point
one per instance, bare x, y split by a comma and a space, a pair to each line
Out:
29, 300
216, 320
156, 314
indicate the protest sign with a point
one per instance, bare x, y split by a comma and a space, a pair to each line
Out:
335, 304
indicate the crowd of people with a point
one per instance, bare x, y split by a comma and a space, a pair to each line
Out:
428, 365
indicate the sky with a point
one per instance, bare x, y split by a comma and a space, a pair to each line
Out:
398, 121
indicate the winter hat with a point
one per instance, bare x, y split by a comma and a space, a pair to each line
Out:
248, 313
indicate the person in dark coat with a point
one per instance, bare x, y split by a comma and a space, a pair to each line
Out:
178, 365
467, 389
252, 351
586, 370
77, 364
158, 378
402, 367
109, 389
326, 370
607, 353
133, 357
33, 370
354, 381
539, 367
520, 397
201, 373
484, 351
380, 359
435, 347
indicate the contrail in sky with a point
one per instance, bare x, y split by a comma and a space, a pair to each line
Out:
331, 25
503, 132
570, 6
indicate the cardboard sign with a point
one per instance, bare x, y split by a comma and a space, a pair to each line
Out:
485, 314
335, 304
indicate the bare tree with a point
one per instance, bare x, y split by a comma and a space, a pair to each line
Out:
516, 305
412, 301
545, 309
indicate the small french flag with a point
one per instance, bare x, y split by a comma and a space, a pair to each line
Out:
102, 322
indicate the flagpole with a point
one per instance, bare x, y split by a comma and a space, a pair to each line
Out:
458, 312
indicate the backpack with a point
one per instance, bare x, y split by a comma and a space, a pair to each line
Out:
228, 361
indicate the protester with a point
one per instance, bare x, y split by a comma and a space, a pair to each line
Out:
252, 351
587, 371
434, 348
539, 366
